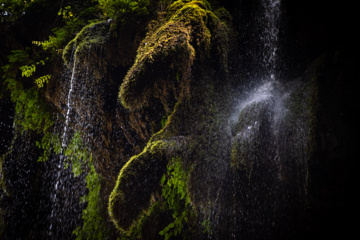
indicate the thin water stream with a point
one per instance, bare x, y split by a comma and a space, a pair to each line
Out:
58, 185
270, 17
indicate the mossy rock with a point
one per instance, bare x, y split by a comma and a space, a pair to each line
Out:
172, 60
94, 34
127, 204
169, 51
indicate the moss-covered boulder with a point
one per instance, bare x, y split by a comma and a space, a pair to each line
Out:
166, 56
96, 61
94, 34
181, 63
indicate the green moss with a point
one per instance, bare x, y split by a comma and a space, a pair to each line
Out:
94, 34
68, 51
123, 8
184, 37
94, 224
178, 38
176, 199
137, 181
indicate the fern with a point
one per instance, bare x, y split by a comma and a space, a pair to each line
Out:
27, 71
80, 159
76, 154
41, 80
66, 12
18, 56
31, 110
50, 44
38, 43
94, 225
49, 142
174, 191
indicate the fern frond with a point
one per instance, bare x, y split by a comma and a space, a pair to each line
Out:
41, 80
27, 71
38, 43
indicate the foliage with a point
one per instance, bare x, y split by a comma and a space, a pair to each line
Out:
121, 8
73, 18
76, 154
80, 159
41, 80
10, 10
66, 12
61, 35
207, 225
27, 71
164, 120
174, 192
18, 56
93, 34
49, 142
93, 223
22, 80
31, 110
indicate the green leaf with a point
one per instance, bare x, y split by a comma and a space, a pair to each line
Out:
171, 225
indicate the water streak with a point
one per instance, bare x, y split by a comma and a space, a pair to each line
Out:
59, 165
260, 93
68, 104
270, 35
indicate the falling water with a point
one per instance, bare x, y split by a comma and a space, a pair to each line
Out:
68, 104
259, 121
81, 102
268, 19
270, 33
60, 174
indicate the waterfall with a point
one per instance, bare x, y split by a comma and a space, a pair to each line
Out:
270, 140
68, 104
59, 165
270, 35
82, 103
268, 19
260, 41
66, 188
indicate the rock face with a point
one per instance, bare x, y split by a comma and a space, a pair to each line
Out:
96, 72
169, 104
173, 65
270, 156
